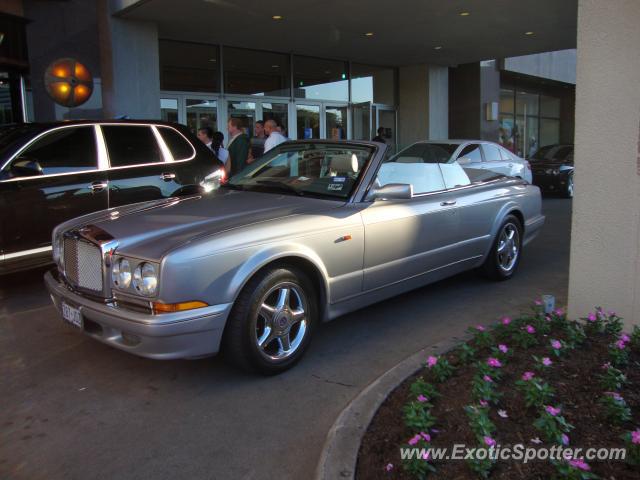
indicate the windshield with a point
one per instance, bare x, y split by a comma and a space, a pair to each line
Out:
315, 169
553, 153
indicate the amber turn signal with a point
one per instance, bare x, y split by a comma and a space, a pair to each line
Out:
176, 307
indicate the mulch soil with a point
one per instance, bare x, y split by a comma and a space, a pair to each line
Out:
573, 376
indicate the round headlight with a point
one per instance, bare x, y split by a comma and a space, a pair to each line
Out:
145, 279
121, 273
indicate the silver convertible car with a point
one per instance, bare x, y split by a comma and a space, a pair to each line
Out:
311, 231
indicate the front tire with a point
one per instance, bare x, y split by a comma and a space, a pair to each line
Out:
272, 321
568, 193
504, 257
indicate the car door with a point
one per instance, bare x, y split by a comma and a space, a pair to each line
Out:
55, 178
408, 238
140, 166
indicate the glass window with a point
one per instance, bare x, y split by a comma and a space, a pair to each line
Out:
491, 153
527, 136
426, 153
201, 114
526, 103
254, 72
470, 154
169, 110
186, 66
245, 111
6, 108
320, 79
279, 112
372, 84
308, 117
336, 118
131, 145
549, 131
63, 151
306, 169
362, 121
506, 101
506, 132
180, 148
549, 107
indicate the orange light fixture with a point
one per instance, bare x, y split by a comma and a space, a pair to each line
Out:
176, 307
68, 82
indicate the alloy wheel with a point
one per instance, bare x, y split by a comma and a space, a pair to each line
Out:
508, 247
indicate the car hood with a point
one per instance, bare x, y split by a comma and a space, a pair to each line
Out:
150, 230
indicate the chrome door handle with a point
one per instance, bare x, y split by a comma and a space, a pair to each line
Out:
96, 187
167, 176
448, 203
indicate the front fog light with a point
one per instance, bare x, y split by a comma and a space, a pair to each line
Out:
121, 273
145, 279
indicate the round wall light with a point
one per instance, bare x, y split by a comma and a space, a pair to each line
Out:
68, 82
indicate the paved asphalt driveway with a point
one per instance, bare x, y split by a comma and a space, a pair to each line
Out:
73, 408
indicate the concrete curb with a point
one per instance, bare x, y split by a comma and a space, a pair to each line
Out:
340, 452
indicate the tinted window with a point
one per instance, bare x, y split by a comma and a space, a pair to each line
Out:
491, 153
180, 148
131, 145
471, 152
63, 151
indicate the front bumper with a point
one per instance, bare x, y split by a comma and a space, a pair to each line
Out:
188, 334
551, 183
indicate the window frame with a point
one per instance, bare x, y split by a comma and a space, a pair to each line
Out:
465, 145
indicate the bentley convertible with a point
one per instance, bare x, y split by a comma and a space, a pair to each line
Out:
311, 231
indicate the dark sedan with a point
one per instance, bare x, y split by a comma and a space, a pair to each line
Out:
50, 173
552, 167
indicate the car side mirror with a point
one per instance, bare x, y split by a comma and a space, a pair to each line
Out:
26, 167
391, 191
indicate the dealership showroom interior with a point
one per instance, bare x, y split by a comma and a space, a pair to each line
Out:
319, 240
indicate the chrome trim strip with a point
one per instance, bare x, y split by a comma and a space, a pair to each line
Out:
166, 153
24, 253
103, 154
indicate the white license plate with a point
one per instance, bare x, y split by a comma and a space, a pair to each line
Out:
72, 315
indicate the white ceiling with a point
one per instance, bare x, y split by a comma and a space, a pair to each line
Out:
405, 31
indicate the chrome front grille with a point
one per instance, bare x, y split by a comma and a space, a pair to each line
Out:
83, 264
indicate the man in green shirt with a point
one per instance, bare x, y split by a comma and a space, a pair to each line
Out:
238, 146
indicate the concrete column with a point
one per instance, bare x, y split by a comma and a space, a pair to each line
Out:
423, 104
605, 242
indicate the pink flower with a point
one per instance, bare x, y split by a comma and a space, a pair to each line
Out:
538, 302
388, 467
487, 378
552, 411
625, 338
490, 442
579, 464
547, 318
556, 344
565, 439
635, 437
559, 312
484, 403
546, 361
480, 328
615, 395
435, 430
621, 345
503, 414
426, 454
414, 440
503, 348
591, 317
426, 436
530, 329
606, 366
526, 376
506, 321
494, 362
422, 398
431, 361
611, 313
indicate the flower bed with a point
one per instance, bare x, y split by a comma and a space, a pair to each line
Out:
539, 381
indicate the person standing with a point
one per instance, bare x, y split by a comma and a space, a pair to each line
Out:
238, 146
217, 145
258, 139
379, 137
205, 135
275, 137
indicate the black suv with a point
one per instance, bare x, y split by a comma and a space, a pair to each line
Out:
50, 173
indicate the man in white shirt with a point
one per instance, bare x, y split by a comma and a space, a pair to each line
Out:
275, 137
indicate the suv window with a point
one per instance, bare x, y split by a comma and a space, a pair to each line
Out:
180, 148
131, 145
491, 153
471, 152
64, 151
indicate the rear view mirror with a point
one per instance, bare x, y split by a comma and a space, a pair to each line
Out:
26, 167
391, 191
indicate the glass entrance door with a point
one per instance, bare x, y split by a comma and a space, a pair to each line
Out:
246, 111
335, 118
201, 113
386, 119
362, 121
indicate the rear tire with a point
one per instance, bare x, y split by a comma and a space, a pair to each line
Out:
504, 256
272, 321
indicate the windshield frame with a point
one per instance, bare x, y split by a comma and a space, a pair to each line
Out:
371, 148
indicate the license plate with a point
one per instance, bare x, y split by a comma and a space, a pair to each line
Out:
72, 315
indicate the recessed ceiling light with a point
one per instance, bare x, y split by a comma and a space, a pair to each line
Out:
212, 60
439, 47
368, 34
277, 17
465, 14
275, 66
528, 33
